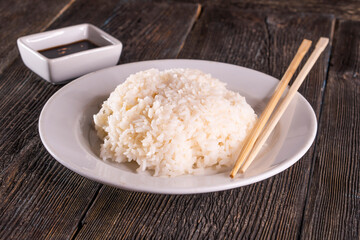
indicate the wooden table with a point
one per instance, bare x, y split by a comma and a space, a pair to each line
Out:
317, 198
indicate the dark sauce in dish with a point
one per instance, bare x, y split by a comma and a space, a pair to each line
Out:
63, 50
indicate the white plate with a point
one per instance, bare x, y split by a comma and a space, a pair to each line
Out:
67, 131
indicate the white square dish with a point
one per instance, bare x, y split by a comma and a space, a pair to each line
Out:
65, 68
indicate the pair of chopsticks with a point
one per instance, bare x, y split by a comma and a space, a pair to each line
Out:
257, 137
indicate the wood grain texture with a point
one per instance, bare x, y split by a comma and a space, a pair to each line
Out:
19, 18
333, 208
270, 209
151, 30
345, 9
39, 198
317, 198
341, 9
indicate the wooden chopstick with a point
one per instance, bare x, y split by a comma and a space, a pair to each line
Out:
319, 48
249, 142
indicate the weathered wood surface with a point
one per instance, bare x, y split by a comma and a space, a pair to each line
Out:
317, 198
269, 209
341, 9
39, 198
333, 206
19, 18
345, 9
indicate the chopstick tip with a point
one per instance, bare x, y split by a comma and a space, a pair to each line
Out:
322, 43
307, 42
324, 39
305, 45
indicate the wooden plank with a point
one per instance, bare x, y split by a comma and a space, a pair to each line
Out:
333, 208
270, 209
346, 9
19, 18
341, 9
18, 84
39, 198
152, 31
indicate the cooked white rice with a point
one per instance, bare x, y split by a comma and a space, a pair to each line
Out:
174, 122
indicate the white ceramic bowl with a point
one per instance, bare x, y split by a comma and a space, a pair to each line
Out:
62, 69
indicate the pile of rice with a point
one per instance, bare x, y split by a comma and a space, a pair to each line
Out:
173, 122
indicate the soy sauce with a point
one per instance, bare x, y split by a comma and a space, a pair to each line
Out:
63, 50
